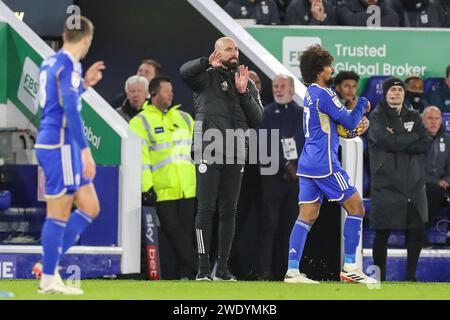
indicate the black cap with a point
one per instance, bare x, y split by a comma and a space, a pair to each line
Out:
388, 83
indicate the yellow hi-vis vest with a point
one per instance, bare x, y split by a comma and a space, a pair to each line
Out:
166, 152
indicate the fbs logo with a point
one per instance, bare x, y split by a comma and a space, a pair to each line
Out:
27, 92
293, 48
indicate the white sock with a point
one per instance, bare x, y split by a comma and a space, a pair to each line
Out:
350, 266
47, 280
292, 272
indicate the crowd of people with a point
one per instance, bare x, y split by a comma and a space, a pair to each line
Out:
393, 13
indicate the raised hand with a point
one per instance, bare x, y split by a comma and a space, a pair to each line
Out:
93, 74
241, 79
215, 59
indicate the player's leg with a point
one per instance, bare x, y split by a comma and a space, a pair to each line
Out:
58, 192
352, 228
337, 187
58, 210
310, 199
88, 208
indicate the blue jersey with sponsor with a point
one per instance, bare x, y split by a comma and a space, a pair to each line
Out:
319, 157
60, 89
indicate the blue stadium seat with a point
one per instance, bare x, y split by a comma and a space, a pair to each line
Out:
431, 84
446, 121
374, 89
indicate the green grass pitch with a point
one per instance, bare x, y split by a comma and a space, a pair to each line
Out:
192, 290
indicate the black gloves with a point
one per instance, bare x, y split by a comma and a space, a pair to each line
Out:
149, 198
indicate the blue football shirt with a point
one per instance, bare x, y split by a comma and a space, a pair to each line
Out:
319, 157
60, 89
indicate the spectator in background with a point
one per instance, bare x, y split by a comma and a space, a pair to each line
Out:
445, 13
148, 69
354, 13
441, 97
168, 175
136, 89
418, 13
414, 97
437, 162
280, 191
282, 6
310, 12
263, 11
398, 141
346, 84
254, 76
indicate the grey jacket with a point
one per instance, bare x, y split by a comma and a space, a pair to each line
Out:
437, 159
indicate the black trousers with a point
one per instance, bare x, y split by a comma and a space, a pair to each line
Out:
218, 186
279, 212
415, 236
177, 222
249, 197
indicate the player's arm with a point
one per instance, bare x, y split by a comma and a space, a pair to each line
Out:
333, 107
70, 81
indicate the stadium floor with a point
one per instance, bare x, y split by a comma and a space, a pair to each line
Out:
191, 290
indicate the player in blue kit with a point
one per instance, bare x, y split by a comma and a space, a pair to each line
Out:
319, 170
63, 152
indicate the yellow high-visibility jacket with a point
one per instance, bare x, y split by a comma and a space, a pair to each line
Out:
166, 152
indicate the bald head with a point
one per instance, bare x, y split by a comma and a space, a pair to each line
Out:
229, 51
432, 119
224, 41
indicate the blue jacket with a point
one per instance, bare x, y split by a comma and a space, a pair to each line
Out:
288, 118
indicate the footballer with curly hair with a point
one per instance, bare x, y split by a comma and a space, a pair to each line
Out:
319, 169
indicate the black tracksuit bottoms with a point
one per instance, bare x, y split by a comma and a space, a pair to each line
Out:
218, 186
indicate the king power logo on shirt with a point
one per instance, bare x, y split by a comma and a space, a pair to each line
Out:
91, 137
27, 92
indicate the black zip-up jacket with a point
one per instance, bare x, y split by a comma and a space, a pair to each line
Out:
217, 103
397, 166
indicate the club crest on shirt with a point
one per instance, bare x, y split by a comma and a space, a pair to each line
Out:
224, 86
75, 79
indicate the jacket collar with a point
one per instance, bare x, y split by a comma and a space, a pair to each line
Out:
129, 110
148, 107
391, 111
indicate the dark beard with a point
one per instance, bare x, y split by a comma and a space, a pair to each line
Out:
230, 65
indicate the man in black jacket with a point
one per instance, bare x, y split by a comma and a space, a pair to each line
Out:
398, 141
224, 101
